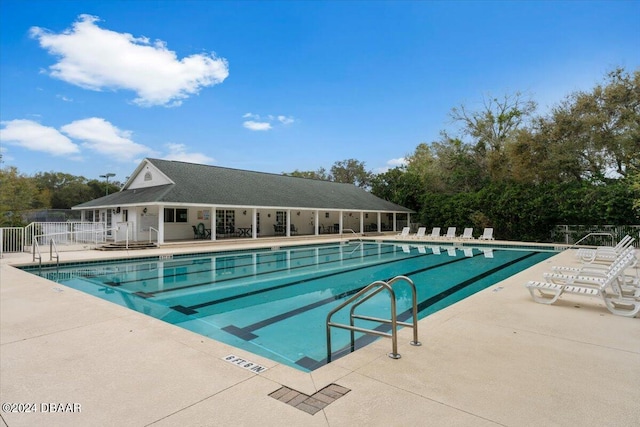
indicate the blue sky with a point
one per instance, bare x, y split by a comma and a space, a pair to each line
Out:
90, 87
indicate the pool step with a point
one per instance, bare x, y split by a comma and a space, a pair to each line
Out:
123, 246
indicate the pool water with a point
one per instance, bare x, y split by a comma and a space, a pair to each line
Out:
274, 302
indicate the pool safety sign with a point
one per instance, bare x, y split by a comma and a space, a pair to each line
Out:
244, 363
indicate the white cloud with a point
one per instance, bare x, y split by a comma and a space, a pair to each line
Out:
392, 163
36, 137
260, 123
96, 59
179, 152
400, 161
285, 120
251, 125
101, 136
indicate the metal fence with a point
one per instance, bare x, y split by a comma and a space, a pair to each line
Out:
20, 239
570, 234
65, 233
11, 239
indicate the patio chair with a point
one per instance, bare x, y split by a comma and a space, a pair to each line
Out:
201, 231
404, 232
293, 230
435, 233
420, 233
451, 233
468, 234
487, 234
619, 301
196, 235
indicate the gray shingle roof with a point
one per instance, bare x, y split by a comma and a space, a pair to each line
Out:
214, 185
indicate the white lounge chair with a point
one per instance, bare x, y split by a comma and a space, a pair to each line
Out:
468, 234
595, 269
420, 233
605, 254
404, 232
435, 233
451, 233
618, 301
487, 234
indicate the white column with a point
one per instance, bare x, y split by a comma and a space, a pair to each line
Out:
316, 222
213, 222
408, 219
394, 221
161, 224
82, 215
288, 222
254, 223
361, 222
379, 222
340, 222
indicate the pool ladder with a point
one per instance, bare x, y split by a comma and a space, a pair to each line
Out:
37, 255
364, 295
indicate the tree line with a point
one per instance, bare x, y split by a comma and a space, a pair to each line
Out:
500, 165
45, 190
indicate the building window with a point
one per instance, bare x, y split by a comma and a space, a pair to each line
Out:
175, 215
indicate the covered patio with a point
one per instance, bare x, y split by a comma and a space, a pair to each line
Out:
168, 201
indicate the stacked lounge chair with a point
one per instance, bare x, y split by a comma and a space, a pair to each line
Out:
619, 291
451, 233
605, 254
487, 234
467, 234
420, 233
404, 232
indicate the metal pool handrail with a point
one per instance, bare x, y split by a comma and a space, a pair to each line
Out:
594, 234
367, 293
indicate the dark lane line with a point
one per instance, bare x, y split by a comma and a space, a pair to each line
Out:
224, 258
192, 309
244, 332
310, 363
194, 285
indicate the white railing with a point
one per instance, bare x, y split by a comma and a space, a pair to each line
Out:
11, 240
150, 230
21, 239
600, 234
65, 233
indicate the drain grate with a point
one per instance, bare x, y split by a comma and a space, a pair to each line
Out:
310, 404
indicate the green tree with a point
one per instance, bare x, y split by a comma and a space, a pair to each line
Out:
320, 174
19, 193
493, 127
351, 171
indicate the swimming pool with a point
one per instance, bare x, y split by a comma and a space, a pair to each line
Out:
274, 302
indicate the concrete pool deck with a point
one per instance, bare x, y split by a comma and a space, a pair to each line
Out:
495, 358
